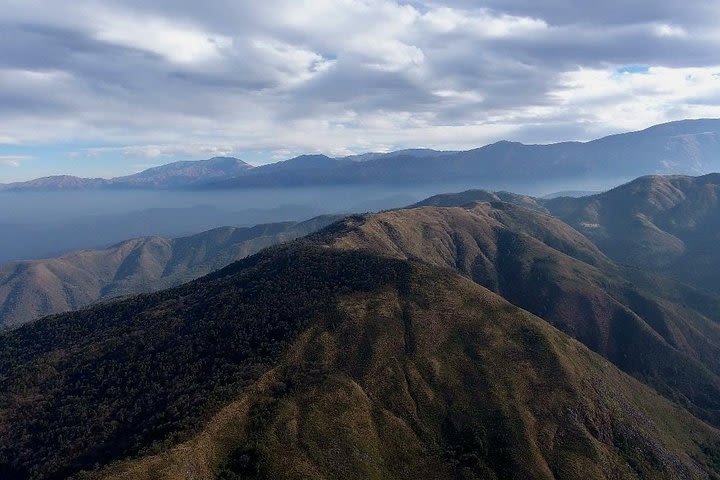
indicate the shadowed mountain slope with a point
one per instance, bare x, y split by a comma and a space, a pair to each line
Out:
666, 224
308, 362
670, 224
544, 266
35, 288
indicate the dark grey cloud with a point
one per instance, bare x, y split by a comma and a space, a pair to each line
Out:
344, 76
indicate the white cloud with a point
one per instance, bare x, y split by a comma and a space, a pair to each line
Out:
157, 151
292, 64
665, 30
631, 101
482, 23
174, 41
459, 96
13, 160
45, 86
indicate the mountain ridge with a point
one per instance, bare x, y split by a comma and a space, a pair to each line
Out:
172, 175
35, 288
621, 156
688, 147
665, 223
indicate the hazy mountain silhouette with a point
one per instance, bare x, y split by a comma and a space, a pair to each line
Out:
172, 175
683, 147
35, 288
689, 147
50, 238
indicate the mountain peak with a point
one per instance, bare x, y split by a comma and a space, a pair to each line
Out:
311, 158
226, 160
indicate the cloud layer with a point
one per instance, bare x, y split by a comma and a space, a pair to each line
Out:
184, 78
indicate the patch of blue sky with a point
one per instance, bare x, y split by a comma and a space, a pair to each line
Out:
630, 69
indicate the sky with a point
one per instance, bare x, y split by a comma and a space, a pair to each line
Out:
105, 88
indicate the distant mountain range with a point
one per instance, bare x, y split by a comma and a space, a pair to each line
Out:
488, 340
688, 147
173, 175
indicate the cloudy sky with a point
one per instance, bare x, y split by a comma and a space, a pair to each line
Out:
101, 88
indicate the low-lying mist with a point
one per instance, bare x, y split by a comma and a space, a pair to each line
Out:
42, 224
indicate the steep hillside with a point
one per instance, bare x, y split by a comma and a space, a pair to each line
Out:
308, 362
666, 224
670, 224
32, 289
544, 266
